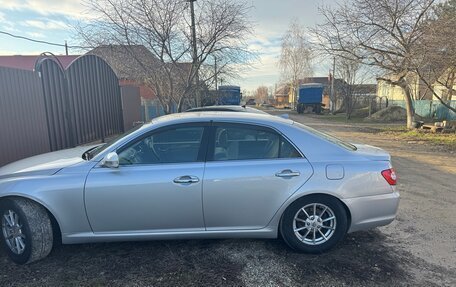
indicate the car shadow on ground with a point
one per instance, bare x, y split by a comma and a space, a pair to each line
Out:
363, 258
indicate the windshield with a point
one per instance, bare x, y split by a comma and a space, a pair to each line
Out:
327, 137
91, 153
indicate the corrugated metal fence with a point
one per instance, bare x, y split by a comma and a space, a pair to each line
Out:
59, 109
23, 127
430, 109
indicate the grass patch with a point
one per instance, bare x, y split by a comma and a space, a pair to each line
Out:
436, 138
443, 139
394, 129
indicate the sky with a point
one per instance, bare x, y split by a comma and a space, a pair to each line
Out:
51, 20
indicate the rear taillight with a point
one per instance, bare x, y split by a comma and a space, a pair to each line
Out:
390, 176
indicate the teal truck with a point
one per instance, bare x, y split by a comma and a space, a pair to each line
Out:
310, 95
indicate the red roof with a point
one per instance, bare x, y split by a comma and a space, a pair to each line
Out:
28, 62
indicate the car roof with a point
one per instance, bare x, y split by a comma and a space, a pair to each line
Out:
227, 108
224, 116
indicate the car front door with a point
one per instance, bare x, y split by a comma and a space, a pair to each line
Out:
156, 188
250, 172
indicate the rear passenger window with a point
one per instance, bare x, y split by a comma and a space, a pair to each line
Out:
287, 150
244, 143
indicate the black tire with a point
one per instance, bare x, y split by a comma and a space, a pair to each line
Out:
35, 225
288, 218
318, 110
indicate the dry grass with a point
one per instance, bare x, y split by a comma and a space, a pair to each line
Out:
442, 139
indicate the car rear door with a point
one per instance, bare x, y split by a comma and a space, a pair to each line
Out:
250, 172
156, 188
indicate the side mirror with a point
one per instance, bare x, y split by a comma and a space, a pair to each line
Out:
284, 116
111, 160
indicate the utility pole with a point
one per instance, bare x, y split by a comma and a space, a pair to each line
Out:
333, 94
195, 53
66, 48
215, 75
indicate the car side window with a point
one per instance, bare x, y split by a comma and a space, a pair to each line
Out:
287, 150
169, 146
244, 143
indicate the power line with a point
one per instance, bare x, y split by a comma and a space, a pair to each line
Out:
42, 42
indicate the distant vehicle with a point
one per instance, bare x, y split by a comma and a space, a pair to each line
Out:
228, 108
198, 175
310, 95
251, 102
229, 95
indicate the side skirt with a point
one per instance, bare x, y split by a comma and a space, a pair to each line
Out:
89, 237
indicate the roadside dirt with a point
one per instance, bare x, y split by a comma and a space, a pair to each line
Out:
418, 249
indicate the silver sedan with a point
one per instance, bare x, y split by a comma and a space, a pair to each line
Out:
198, 175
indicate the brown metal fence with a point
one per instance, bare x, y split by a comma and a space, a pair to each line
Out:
95, 99
59, 108
23, 127
131, 106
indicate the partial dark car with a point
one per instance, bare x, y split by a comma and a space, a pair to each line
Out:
251, 102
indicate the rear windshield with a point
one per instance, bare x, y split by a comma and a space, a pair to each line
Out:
327, 137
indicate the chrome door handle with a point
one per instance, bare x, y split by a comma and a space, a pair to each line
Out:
288, 173
186, 179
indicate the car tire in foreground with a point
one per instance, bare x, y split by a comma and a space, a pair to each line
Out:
314, 223
26, 230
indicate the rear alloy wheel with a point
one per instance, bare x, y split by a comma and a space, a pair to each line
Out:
26, 230
314, 224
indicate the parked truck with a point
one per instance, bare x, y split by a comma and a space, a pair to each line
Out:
229, 95
310, 95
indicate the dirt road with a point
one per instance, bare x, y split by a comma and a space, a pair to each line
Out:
418, 249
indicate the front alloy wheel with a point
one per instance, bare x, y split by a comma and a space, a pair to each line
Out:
26, 230
314, 223
12, 232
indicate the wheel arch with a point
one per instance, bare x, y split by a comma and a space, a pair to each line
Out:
329, 195
55, 223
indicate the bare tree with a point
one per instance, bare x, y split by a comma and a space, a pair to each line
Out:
261, 94
353, 75
162, 26
295, 57
382, 34
436, 53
